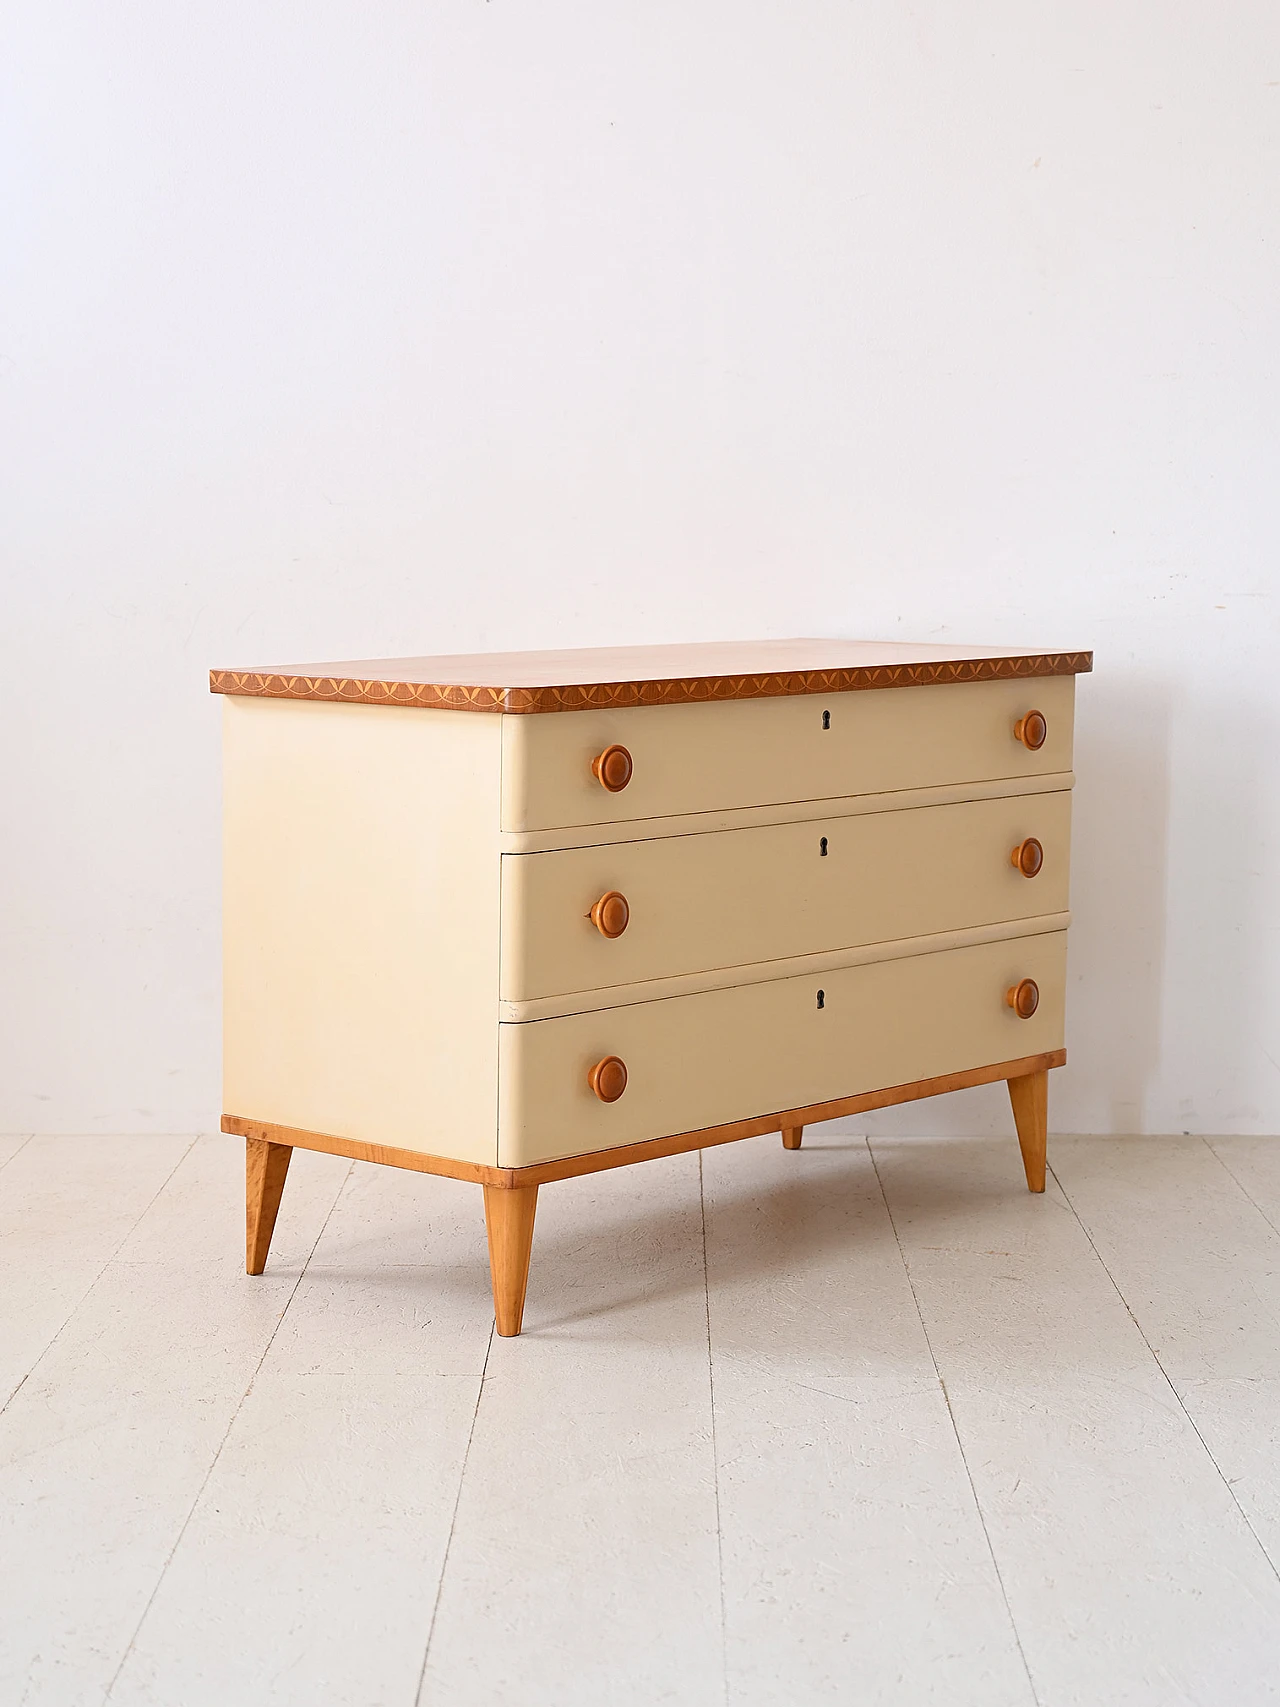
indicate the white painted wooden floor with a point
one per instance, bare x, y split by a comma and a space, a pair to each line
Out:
850, 1425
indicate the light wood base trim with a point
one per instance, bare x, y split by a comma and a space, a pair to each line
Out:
511, 1194
569, 1167
508, 1219
417, 1161
1029, 1094
265, 1167
596, 1161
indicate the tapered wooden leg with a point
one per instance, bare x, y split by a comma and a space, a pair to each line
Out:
265, 1167
1030, 1098
508, 1216
791, 1137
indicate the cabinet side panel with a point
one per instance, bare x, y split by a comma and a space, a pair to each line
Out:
361, 920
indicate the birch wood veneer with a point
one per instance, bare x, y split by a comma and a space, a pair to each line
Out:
645, 901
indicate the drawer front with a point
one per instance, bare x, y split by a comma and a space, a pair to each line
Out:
738, 897
755, 1049
762, 752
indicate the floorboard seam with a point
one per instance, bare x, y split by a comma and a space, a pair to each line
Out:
18, 1152
124, 1239
955, 1429
453, 1520
1155, 1358
1232, 1175
226, 1435
715, 1448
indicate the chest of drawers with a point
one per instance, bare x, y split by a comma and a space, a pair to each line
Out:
520, 917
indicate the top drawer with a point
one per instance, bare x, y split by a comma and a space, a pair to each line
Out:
764, 752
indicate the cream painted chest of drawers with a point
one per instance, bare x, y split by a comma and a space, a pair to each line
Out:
519, 917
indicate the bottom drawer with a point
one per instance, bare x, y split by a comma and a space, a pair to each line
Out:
754, 1049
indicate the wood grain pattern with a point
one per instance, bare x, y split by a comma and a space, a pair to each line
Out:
1032, 730
613, 768
1028, 857
508, 1219
478, 1173
611, 914
1029, 1094
570, 1167
608, 1078
1024, 998
520, 683
266, 1164
792, 1137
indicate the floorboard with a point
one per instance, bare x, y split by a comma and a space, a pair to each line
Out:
9, 1147
1183, 1229
66, 1206
320, 1535
583, 1567
1130, 1571
856, 1564
853, 1423
106, 1446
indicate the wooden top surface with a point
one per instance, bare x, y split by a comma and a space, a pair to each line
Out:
643, 675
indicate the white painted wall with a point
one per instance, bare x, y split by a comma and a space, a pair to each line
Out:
344, 329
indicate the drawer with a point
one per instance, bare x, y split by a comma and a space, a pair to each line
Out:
762, 752
755, 1049
697, 903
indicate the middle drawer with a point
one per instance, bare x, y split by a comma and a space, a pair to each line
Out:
700, 903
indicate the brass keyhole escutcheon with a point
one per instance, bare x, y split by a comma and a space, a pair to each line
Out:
611, 914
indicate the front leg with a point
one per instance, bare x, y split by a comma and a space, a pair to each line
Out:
1030, 1098
508, 1218
265, 1167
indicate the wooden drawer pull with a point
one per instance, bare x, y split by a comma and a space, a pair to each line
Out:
1023, 997
608, 1078
1032, 730
610, 914
612, 769
1028, 856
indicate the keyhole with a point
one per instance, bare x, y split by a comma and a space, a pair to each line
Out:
822, 847
822, 999
826, 720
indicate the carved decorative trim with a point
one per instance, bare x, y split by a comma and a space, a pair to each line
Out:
607, 696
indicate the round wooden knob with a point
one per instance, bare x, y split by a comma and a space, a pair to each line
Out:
608, 1078
1028, 856
612, 769
1023, 997
610, 914
1031, 730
